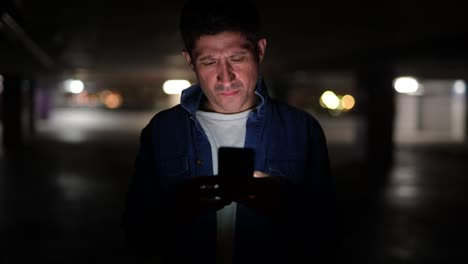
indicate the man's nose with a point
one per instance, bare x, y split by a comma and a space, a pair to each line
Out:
225, 72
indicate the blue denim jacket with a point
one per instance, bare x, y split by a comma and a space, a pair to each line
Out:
288, 142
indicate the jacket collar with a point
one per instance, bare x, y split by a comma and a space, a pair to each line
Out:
191, 97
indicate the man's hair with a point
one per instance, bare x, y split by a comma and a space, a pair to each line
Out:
210, 17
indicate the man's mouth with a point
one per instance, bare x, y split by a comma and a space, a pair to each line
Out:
230, 93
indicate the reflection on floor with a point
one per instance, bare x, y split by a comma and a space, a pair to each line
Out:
61, 198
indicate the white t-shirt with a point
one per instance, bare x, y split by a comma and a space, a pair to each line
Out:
224, 130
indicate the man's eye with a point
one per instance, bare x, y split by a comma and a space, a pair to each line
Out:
237, 59
207, 63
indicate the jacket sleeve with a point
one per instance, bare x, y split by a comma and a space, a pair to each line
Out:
140, 219
319, 197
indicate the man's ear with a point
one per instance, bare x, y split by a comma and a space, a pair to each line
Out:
261, 47
188, 58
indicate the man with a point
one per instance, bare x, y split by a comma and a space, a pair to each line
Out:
176, 209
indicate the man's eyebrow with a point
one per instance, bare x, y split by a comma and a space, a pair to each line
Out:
244, 50
239, 53
204, 58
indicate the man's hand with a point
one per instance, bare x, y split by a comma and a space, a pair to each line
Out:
197, 195
263, 192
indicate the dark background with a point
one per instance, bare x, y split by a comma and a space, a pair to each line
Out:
65, 167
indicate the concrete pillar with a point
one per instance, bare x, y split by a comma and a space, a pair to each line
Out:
377, 107
17, 111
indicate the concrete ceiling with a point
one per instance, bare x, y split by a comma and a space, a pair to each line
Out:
139, 39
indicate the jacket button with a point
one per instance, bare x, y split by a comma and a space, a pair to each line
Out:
199, 162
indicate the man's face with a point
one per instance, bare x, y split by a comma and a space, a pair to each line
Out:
227, 69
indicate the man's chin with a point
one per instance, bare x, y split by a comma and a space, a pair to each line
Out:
230, 109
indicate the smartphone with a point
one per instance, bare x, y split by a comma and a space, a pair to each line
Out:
235, 166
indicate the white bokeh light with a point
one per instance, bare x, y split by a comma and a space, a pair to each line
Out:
330, 100
175, 86
459, 87
406, 85
74, 86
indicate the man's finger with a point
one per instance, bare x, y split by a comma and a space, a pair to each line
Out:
260, 174
209, 190
204, 180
